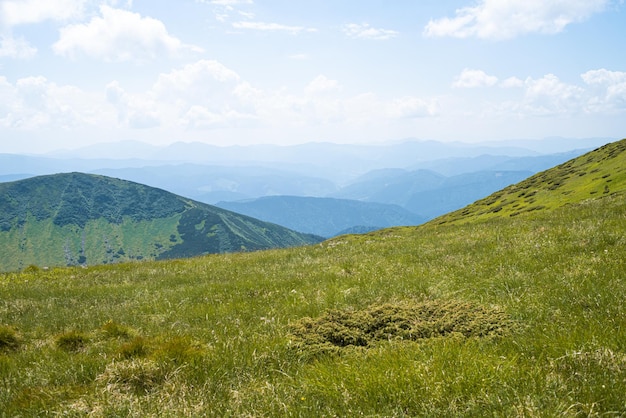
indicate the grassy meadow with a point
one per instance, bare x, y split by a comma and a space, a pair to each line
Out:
252, 334
511, 312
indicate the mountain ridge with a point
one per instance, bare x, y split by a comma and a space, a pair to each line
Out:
326, 217
77, 218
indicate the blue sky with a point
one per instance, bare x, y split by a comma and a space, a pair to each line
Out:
78, 72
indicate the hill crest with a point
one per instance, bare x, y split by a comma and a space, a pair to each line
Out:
600, 172
76, 218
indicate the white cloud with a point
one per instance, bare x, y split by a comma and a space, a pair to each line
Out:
603, 76
17, 12
201, 95
505, 19
365, 31
609, 88
37, 103
201, 82
550, 96
119, 35
512, 82
16, 48
474, 78
271, 27
135, 111
412, 107
321, 84
223, 9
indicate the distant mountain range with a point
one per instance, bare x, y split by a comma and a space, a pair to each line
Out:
426, 193
339, 163
416, 180
77, 219
324, 216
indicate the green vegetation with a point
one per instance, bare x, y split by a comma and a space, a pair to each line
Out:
9, 340
71, 341
405, 321
506, 316
595, 174
79, 219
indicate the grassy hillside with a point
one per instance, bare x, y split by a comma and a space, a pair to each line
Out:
502, 316
595, 174
71, 219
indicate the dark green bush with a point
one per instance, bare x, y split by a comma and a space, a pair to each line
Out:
406, 320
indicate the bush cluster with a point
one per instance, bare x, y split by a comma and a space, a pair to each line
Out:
404, 320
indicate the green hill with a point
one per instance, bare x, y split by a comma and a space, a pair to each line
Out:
70, 219
595, 174
485, 314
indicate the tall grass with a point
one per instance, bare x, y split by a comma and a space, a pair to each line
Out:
213, 336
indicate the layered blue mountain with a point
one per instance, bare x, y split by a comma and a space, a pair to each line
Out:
324, 216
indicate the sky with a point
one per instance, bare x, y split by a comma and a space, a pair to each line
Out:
238, 72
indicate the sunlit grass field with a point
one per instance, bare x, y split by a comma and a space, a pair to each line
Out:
222, 335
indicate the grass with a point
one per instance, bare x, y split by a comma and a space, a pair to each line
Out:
9, 340
215, 335
520, 316
595, 174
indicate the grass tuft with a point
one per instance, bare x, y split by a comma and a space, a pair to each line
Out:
71, 341
137, 376
9, 340
137, 347
112, 329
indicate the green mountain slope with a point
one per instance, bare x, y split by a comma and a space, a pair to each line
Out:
598, 173
498, 315
69, 219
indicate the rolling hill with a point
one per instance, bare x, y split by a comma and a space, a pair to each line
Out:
595, 174
75, 218
504, 313
326, 217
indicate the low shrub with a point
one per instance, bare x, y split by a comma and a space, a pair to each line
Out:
406, 320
